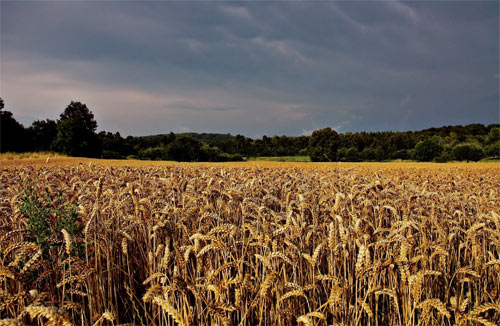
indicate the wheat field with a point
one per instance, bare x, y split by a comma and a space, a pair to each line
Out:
126, 243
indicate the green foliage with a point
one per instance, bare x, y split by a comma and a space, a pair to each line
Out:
47, 216
211, 154
67, 218
298, 158
80, 113
185, 149
427, 149
114, 146
38, 216
493, 149
74, 135
468, 152
493, 136
323, 145
152, 153
350, 154
401, 154
379, 153
444, 157
369, 154
225, 157
341, 154
76, 132
42, 134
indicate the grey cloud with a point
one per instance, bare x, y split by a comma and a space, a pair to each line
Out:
255, 67
194, 107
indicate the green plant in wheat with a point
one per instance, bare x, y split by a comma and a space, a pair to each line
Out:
38, 216
48, 216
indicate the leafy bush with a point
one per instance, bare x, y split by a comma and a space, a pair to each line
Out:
468, 152
48, 216
428, 149
401, 154
38, 216
185, 149
323, 145
444, 157
350, 154
225, 157
368, 154
493, 150
152, 153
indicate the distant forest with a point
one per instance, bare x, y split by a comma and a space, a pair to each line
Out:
74, 134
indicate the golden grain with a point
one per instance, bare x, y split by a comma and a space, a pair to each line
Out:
255, 244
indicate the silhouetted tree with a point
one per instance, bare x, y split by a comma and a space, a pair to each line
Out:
42, 134
12, 133
114, 146
76, 132
323, 145
185, 149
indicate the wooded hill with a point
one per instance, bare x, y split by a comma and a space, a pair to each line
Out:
74, 134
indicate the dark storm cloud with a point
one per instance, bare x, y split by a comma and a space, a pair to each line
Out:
253, 67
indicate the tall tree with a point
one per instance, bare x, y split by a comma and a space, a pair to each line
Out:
468, 152
323, 145
428, 149
76, 132
42, 134
184, 148
12, 133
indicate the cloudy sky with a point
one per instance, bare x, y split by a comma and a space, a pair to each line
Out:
253, 68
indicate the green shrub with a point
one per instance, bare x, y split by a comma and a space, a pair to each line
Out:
428, 149
493, 149
47, 216
444, 157
468, 152
401, 154
152, 153
38, 217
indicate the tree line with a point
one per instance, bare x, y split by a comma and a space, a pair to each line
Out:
74, 134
